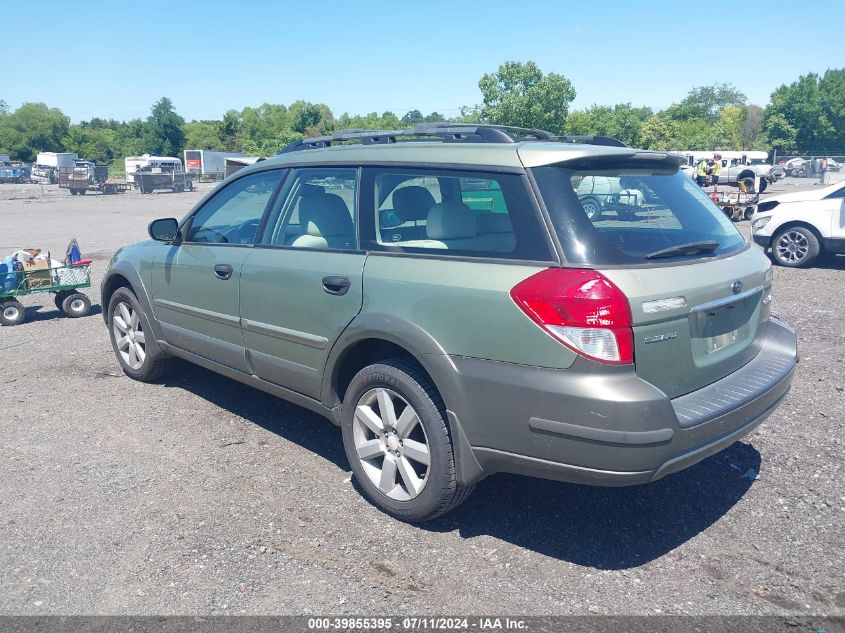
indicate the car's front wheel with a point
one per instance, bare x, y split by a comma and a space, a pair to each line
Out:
795, 246
398, 443
131, 338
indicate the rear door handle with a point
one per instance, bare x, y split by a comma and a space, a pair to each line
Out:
336, 285
223, 271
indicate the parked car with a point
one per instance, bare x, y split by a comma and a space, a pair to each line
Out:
800, 227
455, 310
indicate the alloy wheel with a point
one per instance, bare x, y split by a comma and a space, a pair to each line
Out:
391, 444
129, 335
792, 247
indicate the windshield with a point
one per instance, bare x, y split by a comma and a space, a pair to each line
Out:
628, 215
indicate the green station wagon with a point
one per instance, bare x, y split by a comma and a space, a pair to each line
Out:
443, 295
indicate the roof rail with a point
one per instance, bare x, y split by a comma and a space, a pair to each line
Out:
448, 133
590, 140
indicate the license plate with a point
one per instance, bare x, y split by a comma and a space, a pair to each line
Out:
721, 341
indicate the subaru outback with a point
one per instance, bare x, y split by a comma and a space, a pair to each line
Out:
444, 297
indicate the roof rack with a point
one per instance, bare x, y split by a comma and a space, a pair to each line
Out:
448, 133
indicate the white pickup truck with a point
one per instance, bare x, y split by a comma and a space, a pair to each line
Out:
738, 166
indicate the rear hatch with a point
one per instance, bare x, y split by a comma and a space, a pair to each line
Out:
699, 295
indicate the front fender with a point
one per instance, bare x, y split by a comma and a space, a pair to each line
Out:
123, 267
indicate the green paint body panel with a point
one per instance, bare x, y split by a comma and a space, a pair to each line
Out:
290, 322
679, 362
464, 305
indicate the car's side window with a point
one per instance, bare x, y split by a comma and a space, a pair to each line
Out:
233, 214
316, 209
449, 212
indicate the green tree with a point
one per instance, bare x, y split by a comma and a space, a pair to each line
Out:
659, 132
203, 135
4, 107
163, 134
94, 143
803, 107
520, 94
32, 128
230, 131
621, 121
752, 128
832, 95
413, 117
706, 102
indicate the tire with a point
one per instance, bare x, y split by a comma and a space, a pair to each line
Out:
148, 365
749, 211
73, 192
412, 491
82, 192
592, 207
801, 173
12, 312
76, 304
748, 181
59, 298
764, 184
795, 247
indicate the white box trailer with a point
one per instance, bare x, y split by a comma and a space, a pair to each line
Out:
168, 164
208, 163
56, 159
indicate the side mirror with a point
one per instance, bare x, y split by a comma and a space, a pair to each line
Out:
164, 229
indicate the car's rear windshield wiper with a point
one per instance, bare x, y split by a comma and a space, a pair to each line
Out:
685, 249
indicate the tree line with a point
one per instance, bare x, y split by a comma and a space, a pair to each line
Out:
806, 116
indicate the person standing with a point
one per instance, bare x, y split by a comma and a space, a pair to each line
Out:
717, 167
701, 173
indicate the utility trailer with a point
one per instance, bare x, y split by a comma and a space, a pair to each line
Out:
149, 179
85, 176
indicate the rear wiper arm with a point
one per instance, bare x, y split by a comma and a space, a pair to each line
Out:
685, 249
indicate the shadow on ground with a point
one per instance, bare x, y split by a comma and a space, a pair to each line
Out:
604, 528
48, 312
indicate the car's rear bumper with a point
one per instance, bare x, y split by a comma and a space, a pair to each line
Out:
610, 427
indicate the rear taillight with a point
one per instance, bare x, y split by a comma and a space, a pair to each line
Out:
582, 309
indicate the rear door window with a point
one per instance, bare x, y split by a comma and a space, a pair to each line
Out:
445, 212
632, 213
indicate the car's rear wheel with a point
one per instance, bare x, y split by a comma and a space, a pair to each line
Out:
132, 338
397, 440
795, 247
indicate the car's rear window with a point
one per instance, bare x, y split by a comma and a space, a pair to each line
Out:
629, 213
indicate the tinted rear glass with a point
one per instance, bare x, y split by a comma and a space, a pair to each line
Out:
627, 214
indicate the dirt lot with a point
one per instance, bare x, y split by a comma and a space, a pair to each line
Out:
199, 495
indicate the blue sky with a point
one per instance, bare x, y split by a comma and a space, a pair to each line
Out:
114, 59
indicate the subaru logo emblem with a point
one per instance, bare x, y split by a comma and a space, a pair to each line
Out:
736, 286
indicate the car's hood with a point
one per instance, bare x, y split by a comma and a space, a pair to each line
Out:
802, 196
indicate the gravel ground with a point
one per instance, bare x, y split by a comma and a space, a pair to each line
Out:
201, 496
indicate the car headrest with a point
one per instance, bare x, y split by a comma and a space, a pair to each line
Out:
412, 203
325, 215
494, 223
450, 220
